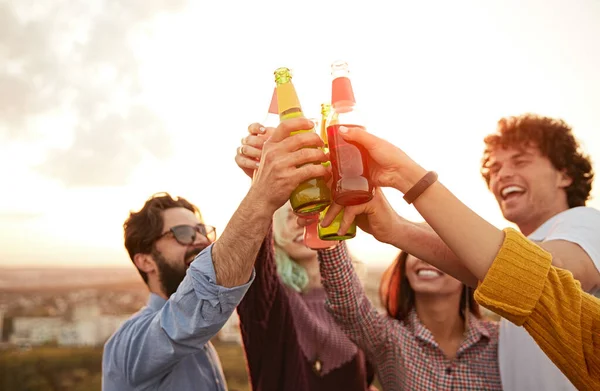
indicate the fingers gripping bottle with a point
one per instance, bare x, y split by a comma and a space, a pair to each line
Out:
313, 195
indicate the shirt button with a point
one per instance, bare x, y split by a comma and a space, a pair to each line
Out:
448, 371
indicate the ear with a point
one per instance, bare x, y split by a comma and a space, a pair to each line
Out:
564, 180
144, 262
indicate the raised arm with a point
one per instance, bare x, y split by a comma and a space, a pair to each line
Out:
549, 303
257, 304
283, 167
348, 303
379, 219
148, 346
563, 320
207, 296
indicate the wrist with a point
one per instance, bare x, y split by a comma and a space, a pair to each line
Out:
259, 204
397, 230
409, 174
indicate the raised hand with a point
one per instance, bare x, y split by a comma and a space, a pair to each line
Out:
376, 217
248, 154
283, 162
389, 166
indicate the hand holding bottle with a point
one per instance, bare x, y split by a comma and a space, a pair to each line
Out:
285, 162
376, 217
248, 154
389, 166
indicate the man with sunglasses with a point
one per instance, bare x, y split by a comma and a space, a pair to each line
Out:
195, 281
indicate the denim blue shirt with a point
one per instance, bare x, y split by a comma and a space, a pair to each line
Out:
165, 346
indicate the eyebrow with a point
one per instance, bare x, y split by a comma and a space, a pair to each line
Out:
518, 155
521, 154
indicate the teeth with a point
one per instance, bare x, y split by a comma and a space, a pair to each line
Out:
511, 189
428, 273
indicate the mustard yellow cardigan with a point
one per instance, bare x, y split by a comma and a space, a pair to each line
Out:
523, 287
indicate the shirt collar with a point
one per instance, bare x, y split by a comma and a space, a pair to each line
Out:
475, 332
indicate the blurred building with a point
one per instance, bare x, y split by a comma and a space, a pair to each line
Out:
85, 326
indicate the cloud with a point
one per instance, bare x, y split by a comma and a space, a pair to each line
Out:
76, 57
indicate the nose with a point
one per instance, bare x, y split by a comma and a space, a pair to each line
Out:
505, 171
201, 241
502, 175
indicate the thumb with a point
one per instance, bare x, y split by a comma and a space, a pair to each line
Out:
360, 136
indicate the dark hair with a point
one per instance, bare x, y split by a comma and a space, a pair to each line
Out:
398, 297
555, 140
142, 228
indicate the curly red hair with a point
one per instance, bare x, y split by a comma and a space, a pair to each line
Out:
554, 138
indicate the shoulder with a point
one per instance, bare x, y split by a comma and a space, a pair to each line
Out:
574, 225
579, 216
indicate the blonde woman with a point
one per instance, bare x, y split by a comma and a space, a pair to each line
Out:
291, 342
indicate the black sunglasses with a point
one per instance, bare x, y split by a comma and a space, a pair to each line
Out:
186, 234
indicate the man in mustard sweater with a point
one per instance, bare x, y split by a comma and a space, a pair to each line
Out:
534, 167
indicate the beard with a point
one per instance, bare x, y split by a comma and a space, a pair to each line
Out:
169, 276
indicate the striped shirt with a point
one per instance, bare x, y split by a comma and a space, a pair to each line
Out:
405, 354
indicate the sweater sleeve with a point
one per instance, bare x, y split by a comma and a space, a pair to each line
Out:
524, 287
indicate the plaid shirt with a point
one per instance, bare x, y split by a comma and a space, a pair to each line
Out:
405, 354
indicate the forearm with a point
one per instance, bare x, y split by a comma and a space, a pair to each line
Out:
347, 301
549, 303
235, 251
422, 242
474, 241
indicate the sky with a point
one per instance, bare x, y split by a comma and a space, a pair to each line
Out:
104, 102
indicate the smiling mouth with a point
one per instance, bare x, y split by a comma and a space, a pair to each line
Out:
429, 273
299, 239
511, 192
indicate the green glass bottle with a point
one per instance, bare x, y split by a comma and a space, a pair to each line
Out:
313, 195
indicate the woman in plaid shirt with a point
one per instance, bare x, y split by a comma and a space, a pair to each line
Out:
432, 336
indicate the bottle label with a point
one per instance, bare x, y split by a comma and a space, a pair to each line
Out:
273, 108
341, 92
287, 97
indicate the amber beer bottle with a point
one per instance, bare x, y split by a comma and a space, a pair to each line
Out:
351, 181
330, 232
313, 195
